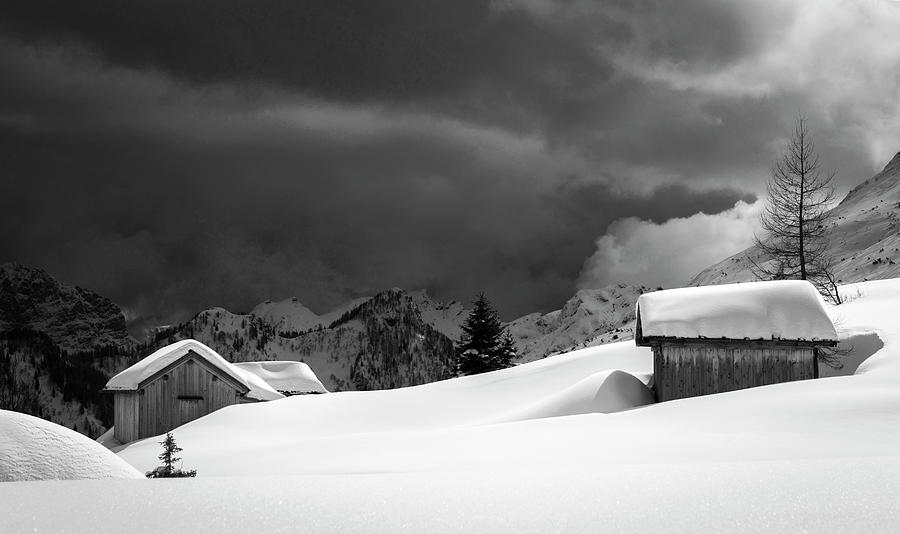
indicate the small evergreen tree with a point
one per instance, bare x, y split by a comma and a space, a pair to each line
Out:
483, 346
168, 458
170, 449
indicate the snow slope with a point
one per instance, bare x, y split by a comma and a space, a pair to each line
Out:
293, 429
865, 241
441, 425
35, 449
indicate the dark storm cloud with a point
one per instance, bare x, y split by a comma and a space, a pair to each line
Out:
191, 228
176, 156
350, 49
579, 201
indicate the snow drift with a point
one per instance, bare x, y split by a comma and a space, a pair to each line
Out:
296, 435
35, 449
603, 392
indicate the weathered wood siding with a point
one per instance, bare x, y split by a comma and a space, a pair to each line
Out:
691, 368
186, 391
125, 410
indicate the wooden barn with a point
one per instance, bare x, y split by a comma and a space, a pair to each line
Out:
177, 384
714, 339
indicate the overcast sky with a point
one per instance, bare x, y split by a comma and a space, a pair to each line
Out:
176, 155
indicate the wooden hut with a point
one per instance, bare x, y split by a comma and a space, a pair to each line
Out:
722, 338
175, 385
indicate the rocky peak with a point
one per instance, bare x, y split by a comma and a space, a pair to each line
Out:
74, 318
606, 300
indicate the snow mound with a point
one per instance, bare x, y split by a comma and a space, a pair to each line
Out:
336, 429
131, 378
294, 377
604, 392
35, 449
783, 309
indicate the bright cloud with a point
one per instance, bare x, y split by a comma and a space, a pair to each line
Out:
668, 254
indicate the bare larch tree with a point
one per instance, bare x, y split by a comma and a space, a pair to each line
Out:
796, 219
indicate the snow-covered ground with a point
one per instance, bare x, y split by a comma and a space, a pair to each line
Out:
524, 450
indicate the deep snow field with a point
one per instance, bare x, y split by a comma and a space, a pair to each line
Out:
565, 444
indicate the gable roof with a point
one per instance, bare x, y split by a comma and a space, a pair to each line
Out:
131, 379
295, 377
786, 310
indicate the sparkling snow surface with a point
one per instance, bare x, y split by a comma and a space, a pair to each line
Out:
295, 377
130, 378
35, 449
784, 309
512, 451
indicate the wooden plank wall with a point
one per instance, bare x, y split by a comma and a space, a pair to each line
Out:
160, 408
125, 410
685, 369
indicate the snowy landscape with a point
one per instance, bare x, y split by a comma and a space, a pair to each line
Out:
572, 438
434, 266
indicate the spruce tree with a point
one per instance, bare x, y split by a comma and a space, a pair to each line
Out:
482, 346
168, 458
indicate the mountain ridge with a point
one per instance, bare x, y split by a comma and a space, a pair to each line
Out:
864, 240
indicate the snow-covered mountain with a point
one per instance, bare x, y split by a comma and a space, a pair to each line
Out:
865, 240
288, 315
591, 317
336, 347
392, 339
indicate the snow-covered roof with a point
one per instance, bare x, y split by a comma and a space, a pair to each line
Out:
295, 377
131, 378
788, 310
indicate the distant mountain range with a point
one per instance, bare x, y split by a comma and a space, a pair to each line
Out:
59, 344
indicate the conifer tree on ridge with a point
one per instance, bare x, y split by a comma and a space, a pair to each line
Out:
484, 345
